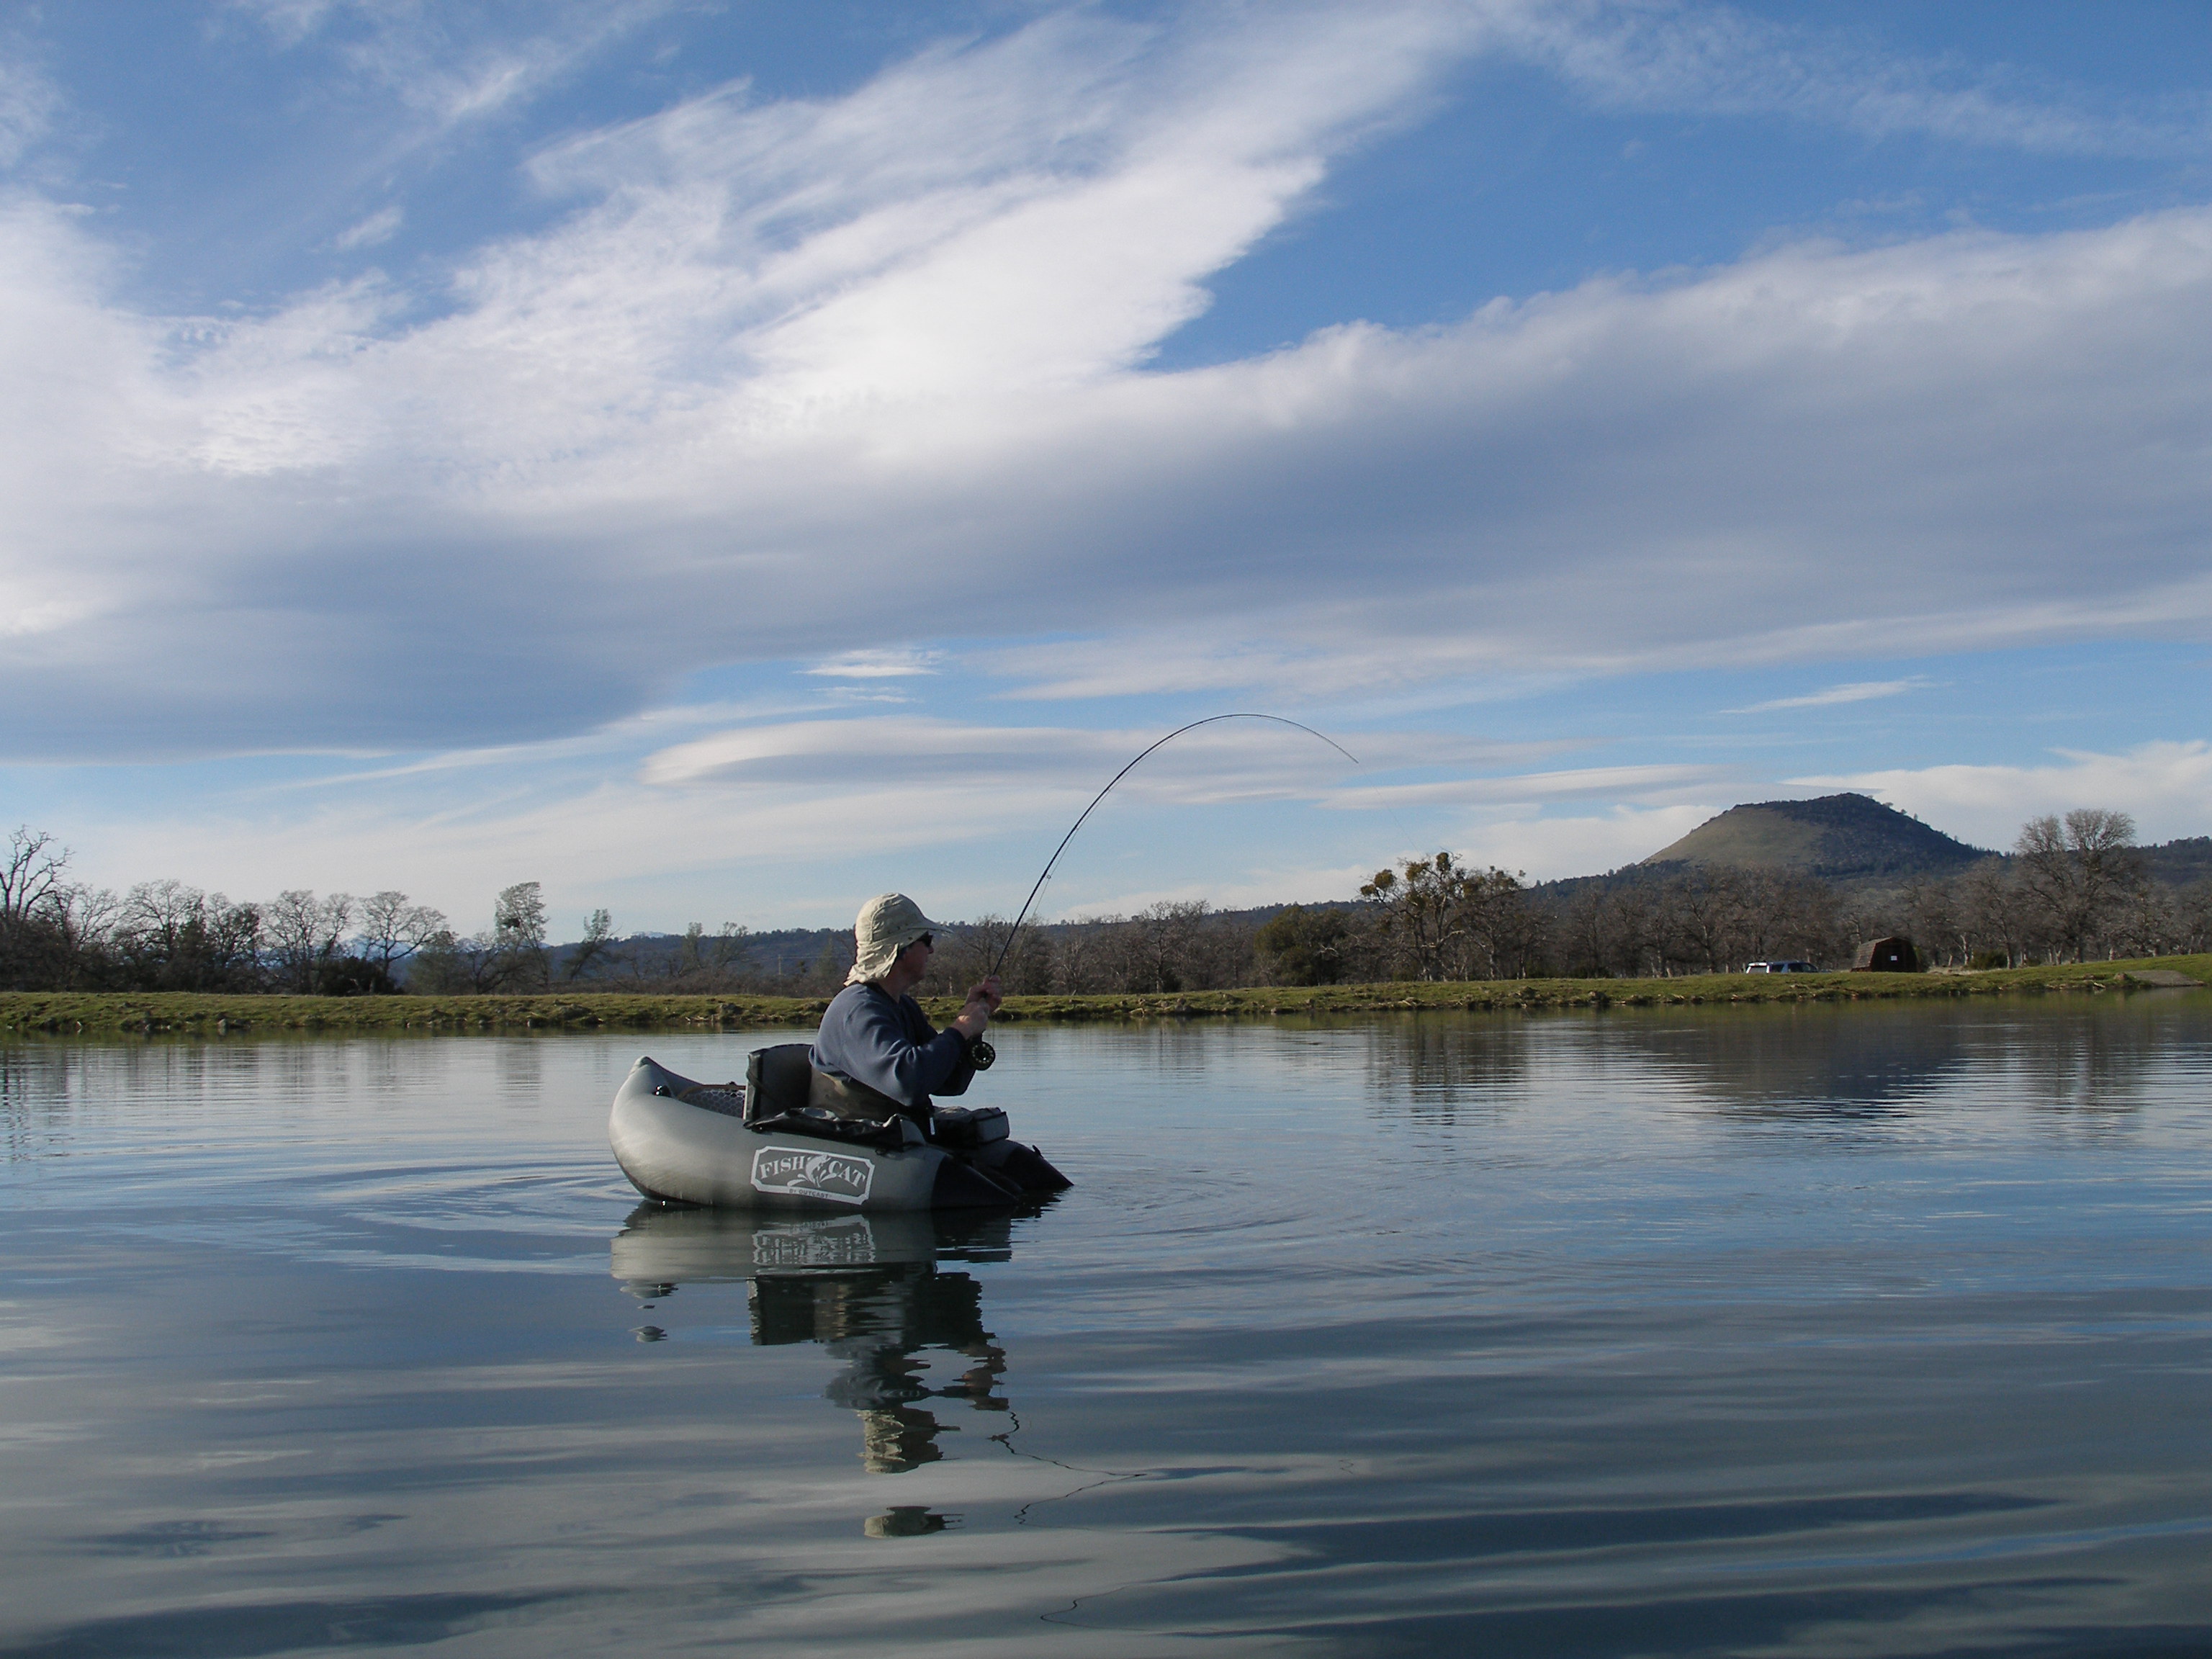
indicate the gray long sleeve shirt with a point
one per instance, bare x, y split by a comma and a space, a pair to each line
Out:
868, 1036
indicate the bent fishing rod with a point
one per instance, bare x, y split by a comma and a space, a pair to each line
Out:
980, 1055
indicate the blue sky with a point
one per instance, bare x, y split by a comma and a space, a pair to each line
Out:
722, 461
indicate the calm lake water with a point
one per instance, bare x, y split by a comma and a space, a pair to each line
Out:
1822, 1331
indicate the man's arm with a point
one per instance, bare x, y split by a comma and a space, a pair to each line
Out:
870, 1044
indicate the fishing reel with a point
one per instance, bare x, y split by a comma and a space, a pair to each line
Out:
980, 1055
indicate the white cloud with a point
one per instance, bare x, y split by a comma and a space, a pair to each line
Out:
1857, 691
379, 226
2166, 786
1719, 60
442, 62
806, 379
1219, 763
1638, 783
28, 104
878, 665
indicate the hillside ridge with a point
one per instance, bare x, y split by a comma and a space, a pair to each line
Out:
1841, 837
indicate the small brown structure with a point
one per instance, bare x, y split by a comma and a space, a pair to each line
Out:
1892, 954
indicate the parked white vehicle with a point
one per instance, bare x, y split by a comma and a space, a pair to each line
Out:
1779, 968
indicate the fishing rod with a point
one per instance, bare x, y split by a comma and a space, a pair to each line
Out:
980, 1054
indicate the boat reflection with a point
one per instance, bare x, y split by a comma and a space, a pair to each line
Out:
868, 1288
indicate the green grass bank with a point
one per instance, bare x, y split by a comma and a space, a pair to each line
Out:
68, 1014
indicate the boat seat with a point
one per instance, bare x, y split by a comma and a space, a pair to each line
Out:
784, 1094
778, 1080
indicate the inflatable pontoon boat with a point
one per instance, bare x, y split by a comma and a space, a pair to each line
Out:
769, 1144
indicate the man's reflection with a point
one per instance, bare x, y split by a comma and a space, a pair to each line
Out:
877, 1319
868, 1288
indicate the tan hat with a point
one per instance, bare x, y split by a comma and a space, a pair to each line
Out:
887, 924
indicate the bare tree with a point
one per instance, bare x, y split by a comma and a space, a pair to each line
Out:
303, 933
1995, 916
392, 930
1936, 921
2148, 922
1158, 948
30, 875
169, 937
2076, 872
1705, 905
518, 941
708, 962
966, 952
1636, 931
35, 949
596, 951
2192, 912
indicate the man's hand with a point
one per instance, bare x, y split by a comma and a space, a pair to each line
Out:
983, 999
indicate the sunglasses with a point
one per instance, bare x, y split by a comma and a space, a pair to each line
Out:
928, 941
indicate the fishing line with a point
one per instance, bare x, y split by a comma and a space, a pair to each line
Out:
981, 1053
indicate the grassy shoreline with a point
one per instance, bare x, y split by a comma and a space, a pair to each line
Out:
109, 1013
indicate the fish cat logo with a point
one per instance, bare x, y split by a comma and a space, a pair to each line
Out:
799, 1174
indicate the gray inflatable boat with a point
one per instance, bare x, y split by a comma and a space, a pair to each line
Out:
768, 1144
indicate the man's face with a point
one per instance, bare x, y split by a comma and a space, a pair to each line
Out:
915, 959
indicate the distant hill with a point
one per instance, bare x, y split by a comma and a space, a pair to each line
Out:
2178, 863
1848, 838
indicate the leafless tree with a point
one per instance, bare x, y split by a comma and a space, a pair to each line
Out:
1937, 922
518, 940
32, 875
1995, 916
392, 929
170, 937
2193, 915
2076, 872
1158, 948
1705, 906
303, 933
2146, 922
597, 952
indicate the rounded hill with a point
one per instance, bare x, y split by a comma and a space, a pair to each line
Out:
1848, 837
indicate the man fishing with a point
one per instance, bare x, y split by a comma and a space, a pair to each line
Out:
877, 1052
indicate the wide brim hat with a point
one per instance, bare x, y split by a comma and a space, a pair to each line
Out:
887, 924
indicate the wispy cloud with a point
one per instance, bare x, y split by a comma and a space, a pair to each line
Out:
1720, 60
1214, 763
1857, 691
1643, 785
888, 664
28, 104
443, 69
847, 362
379, 226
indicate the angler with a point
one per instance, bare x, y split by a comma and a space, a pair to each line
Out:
865, 1087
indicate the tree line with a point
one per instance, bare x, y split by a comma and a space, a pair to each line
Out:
58, 935
2073, 888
